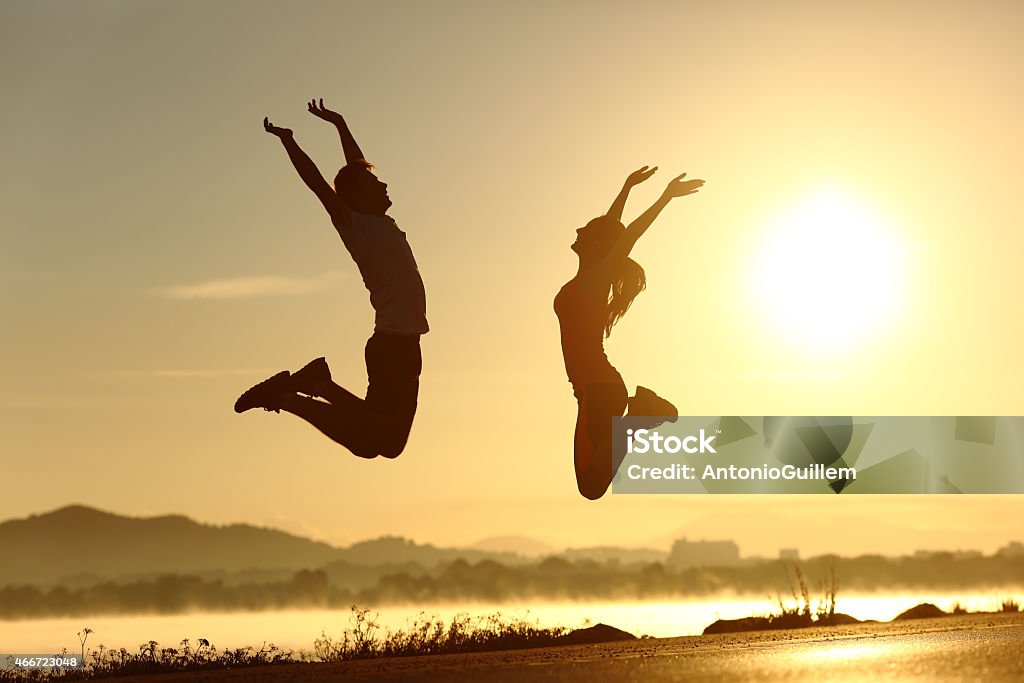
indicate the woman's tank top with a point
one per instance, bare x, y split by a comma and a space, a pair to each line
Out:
582, 310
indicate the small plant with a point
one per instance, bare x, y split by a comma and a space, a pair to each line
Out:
826, 611
803, 612
83, 636
1009, 605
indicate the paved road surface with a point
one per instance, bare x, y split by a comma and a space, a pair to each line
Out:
975, 648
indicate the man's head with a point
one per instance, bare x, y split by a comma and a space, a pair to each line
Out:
361, 190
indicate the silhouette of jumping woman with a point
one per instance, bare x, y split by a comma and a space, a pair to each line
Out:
357, 205
588, 306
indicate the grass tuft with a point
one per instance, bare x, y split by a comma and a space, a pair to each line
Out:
363, 639
428, 634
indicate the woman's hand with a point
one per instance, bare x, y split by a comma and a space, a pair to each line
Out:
322, 112
638, 176
680, 188
275, 130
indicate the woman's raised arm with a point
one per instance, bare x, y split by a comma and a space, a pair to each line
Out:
633, 179
676, 188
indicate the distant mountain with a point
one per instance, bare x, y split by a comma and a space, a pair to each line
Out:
396, 550
80, 541
517, 545
77, 545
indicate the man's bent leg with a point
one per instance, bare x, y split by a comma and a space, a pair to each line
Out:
349, 426
338, 396
393, 365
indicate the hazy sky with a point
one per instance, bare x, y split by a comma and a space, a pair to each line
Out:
158, 254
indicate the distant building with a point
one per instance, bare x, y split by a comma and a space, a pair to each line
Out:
1011, 549
789, 554
686, 554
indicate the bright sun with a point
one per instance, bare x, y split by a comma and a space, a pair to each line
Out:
829, 273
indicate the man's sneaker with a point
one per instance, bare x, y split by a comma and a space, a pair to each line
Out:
646, 403
266, 394
305, 379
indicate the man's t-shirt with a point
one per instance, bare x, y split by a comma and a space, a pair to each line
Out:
389, 271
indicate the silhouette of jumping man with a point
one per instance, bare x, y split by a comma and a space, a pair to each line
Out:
588, 306
357, 206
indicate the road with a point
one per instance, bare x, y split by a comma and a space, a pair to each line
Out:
972, 648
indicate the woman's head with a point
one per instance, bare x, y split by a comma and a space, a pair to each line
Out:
593, 242
595, 239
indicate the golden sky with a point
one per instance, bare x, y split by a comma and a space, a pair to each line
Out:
158, 254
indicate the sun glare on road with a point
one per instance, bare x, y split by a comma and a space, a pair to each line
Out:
829, 273
840, 650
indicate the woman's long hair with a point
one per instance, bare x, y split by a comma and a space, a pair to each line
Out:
627, 283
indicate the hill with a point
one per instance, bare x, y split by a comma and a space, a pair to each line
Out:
77, 541
80, 546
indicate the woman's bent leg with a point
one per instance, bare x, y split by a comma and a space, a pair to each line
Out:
592, 457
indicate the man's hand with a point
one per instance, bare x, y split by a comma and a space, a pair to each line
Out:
638, 176
680, 188
275, 130
322, 112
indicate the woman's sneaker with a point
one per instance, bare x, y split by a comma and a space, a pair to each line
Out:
305, 380
267, 394
646, 403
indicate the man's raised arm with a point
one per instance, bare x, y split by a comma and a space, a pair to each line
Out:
309, 173
348, 143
